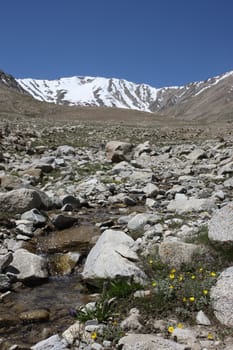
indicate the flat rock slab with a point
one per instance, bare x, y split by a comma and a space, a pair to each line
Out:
148, 342
182, 204
221, 225
222, 297
52, 343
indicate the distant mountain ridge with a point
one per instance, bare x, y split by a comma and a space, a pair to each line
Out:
212, 97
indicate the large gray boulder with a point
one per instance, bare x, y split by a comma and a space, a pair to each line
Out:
23, 199
221, 225
148, 342
116, 151
28, 266
222, 297
111, 257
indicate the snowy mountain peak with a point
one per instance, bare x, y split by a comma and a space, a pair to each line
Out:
92, 91
120, 93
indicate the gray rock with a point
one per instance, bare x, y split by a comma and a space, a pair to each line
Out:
117, 151
23, 199
222, 297
221, 225
176, 253
138, 222
73, 332
148, 342
52, 343
28, 266
187, 337
226, 169
5, 260
44, 167
151, 190
25, 227
183, 204
11, 182
61, 221
72, 201
142, 148
132, 323
5, 283
34, 216
197, 154
202, 319
65, 151
112, 256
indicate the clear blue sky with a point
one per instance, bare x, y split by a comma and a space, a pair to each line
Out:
159, 42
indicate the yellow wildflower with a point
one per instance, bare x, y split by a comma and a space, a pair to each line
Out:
192, 299
93, 335
205, 292
172, 276
210, 336
180, 325
150, 261
171, 286
154, 284
173, 270
184, 299
193, 277
201, 269
170, 329
181, 278
213, 274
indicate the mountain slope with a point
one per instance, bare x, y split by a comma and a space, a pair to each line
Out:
9, 81
212, 97
90, 91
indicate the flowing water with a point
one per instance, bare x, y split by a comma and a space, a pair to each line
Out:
58, 295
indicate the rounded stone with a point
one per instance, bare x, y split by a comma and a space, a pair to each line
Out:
39, 315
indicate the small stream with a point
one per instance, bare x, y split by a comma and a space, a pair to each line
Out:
58, 295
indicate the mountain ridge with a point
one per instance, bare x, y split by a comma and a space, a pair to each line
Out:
210, 98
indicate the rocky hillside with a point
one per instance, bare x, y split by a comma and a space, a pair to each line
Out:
147, 223
213, 97
9, 81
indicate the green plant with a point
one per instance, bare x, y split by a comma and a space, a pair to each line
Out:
121, 288
101, 311
112, 332
176, 291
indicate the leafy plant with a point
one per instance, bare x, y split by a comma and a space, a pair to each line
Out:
121, 288
101, 311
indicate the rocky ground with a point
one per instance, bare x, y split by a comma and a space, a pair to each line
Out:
84, 204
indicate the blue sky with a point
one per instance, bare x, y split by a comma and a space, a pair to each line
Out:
159, 42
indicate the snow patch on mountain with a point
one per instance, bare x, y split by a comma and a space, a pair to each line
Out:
91, 91
120, 93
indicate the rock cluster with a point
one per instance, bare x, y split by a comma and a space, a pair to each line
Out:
97, 212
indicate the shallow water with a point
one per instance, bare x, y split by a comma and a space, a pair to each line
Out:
58, 295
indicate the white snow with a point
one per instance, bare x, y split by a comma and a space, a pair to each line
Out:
99, 91
92, 91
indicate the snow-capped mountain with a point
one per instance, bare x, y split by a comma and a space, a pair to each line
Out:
212, 98
90, 91
96, 91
